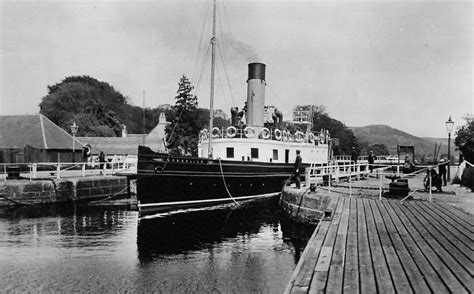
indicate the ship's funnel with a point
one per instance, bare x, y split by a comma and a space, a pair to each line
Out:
256, 95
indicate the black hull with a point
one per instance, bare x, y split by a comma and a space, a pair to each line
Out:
167, 183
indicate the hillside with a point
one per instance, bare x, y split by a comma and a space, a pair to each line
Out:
383, 134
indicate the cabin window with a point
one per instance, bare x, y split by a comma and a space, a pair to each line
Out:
254, 152
275, 154
230, 152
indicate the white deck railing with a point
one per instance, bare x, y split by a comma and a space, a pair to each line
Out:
317, 138
341, 169
60, 170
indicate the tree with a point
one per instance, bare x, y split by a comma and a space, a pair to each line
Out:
183, 132
185, 99
321, 120
465, 139
97, 108
378, 149
92, 104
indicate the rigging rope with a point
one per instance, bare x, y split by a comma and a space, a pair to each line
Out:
177, 122
301, 201
222, 54
239, 67
14, 201
225, 184
198, 83
224, 65
200, 42
110, 197
219, 86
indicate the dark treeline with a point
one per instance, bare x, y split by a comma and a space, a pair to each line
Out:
97, 108
100, 110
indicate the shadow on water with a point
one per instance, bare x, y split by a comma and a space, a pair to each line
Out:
65, 220
195, 230
37, 211
57, 210
296, 234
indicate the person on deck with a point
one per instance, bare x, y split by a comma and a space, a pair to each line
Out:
101, 161
297, 169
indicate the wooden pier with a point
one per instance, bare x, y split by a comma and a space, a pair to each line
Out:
382, 246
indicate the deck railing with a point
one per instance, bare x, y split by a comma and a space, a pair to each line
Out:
60, 170
317, 174
276, 134
342, 169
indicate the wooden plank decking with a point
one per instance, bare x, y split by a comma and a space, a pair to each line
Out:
373, 246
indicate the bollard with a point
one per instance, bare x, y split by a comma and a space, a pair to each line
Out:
380, 188
329, 185
83, 169
430, 186
34, 170
58, 171
350, 183
306, 177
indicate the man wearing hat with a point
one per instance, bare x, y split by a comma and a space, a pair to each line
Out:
297, 169
442, 171
371, 160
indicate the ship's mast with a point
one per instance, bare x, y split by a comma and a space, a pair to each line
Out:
213, 61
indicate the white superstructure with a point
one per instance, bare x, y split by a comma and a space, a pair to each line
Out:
314, 150
256, 140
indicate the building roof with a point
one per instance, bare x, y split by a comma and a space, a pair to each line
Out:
17, 131
122, 145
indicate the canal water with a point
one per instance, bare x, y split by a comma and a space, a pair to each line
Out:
249, 249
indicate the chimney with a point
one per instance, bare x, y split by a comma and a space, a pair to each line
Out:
256, 95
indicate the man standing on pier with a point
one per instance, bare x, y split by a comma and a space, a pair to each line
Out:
442, 171
371, 161
354, 155
297, 169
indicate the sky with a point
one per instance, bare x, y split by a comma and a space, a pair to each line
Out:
407, 64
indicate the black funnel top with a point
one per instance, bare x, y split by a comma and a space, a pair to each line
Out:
257, 71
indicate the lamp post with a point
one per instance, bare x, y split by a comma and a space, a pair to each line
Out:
74, 128
449, 128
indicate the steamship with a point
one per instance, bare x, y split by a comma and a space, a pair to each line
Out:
234, 164
242, 162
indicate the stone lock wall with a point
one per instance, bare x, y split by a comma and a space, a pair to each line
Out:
304, 206
13, 192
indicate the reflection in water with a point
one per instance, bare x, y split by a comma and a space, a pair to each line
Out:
64, 249
296, 234
195, 230
225, 250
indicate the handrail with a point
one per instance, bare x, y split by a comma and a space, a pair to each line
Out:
336, 171
283, 135
59, 170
